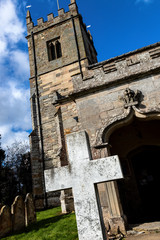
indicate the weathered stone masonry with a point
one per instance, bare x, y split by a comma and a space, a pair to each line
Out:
80, 94
98, 101
53, 80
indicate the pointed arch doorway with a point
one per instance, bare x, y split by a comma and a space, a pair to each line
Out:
138, 147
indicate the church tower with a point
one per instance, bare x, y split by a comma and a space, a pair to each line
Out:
117, 102
58, 49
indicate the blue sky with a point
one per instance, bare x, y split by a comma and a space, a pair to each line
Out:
117, 26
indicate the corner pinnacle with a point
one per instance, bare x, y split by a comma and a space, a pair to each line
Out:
28, 14
28, 17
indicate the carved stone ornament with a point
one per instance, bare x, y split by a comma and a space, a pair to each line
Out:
131, 98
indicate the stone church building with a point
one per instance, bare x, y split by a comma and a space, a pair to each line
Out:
117, 102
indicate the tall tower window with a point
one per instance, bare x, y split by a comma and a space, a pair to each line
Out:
58, 49
54, 50
51, 51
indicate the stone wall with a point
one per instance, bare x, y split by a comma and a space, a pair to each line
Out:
97, 104
20, 215
53, 80
97, 99
94, 101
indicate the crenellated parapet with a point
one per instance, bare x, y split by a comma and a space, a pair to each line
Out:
51, 19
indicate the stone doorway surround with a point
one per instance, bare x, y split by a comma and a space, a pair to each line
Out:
113, 214
132, 134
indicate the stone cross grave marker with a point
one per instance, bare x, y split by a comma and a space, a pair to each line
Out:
82, 175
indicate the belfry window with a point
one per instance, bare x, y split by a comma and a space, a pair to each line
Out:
51, 51
58, 49
54, 50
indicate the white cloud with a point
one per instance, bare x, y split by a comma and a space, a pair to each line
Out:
10, 136
15, 119
12, 29
20, 63
3, 46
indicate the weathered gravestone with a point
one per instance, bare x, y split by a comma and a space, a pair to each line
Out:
18, 214
82, 175
5, 221
30, 213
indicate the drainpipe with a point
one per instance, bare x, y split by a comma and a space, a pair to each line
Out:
77, 46
39, 115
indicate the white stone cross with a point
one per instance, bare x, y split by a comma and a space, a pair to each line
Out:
82, 175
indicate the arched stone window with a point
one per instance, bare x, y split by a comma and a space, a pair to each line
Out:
54, 50
51, 51
58, 49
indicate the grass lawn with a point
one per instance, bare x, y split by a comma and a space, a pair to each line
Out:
51, 225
